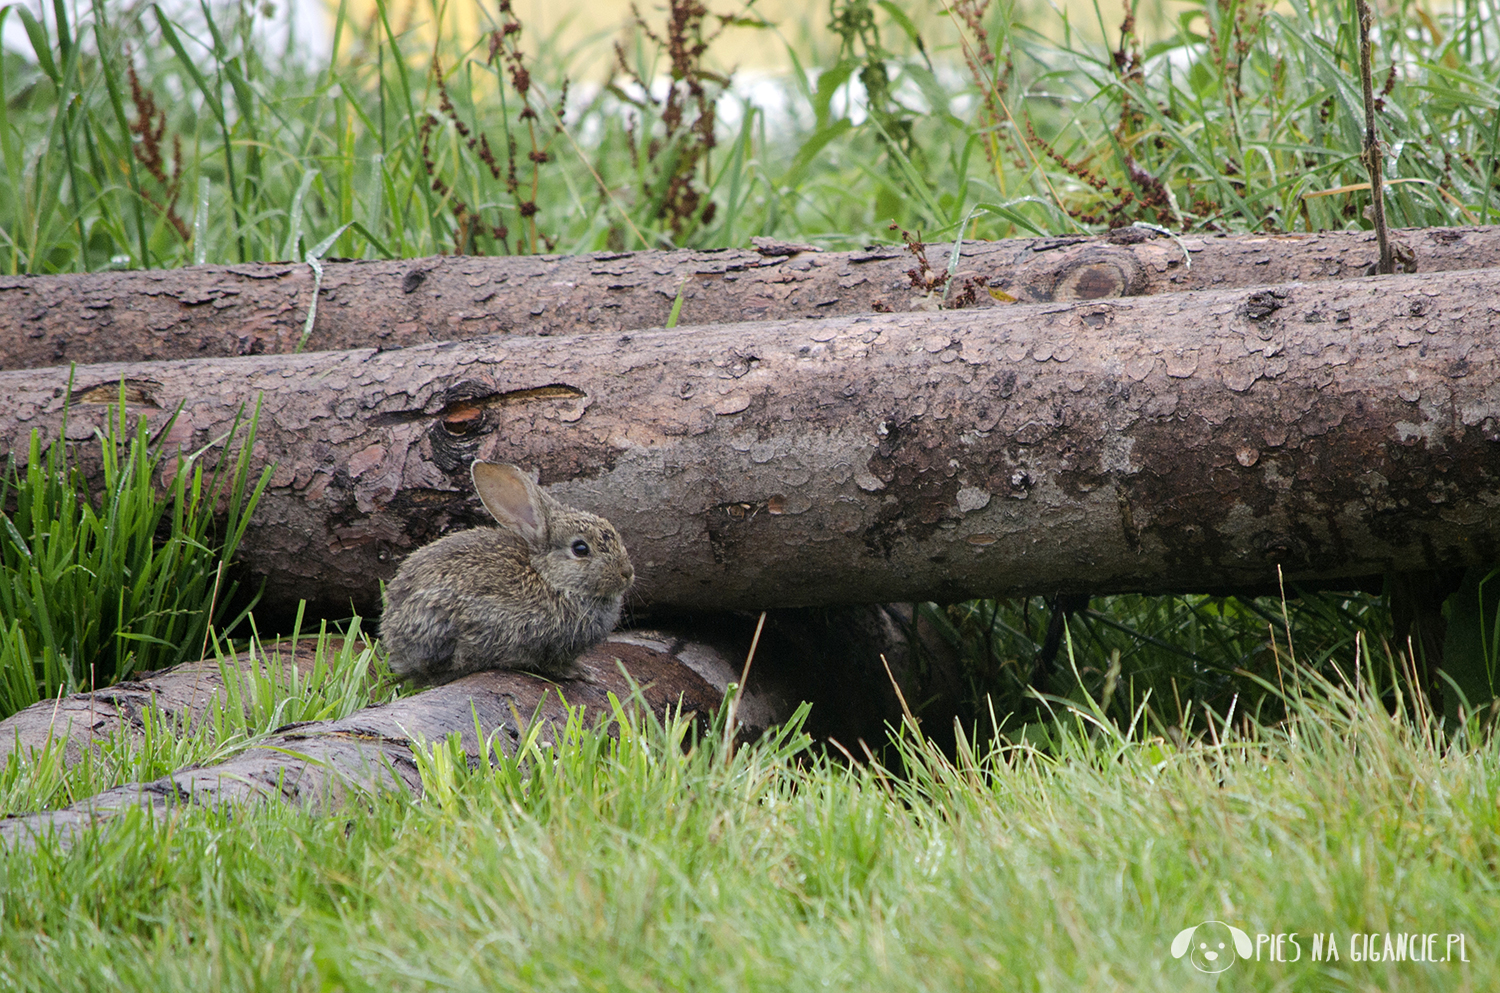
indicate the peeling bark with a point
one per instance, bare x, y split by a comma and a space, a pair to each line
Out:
1168, 443
216, 311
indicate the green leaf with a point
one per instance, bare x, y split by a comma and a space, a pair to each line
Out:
905, 23
294, 215
799, 74
810, 149
1019, 220
829, 81
322, 247
210, 94
40, 43
64, 41
1471, 646
364, 233
677, 305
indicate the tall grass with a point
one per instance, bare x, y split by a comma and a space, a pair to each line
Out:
95, 585
652, 859
132, 139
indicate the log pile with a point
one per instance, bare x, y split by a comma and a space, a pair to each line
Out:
821, 430
1172, 442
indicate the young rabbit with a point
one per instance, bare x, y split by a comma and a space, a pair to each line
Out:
530, 594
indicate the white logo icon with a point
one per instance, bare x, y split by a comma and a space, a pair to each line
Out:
1213, 944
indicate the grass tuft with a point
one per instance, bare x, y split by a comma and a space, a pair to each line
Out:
98, 583
257, 700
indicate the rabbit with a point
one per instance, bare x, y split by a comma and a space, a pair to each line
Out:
531, 594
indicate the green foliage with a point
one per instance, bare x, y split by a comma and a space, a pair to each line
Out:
650, 859
97, 585
1249, 112
1237, 116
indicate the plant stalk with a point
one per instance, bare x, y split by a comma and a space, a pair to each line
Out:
1371, 150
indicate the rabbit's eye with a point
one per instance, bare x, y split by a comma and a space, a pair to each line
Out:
579, 548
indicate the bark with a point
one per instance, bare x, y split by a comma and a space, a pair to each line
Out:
180, 695
324, 764
208, 311
1178, 442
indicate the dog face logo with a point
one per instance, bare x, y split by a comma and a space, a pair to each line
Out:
1214, 945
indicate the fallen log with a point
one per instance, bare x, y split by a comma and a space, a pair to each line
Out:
1168, 443
180, 695
324, 764
824, 657
209, 311
821, 657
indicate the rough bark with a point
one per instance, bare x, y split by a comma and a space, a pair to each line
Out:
1177, 442
207, 311
323, 764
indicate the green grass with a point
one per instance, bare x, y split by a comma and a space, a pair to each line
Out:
345, 676
216, 150
95, 585
656, 861
1186, 652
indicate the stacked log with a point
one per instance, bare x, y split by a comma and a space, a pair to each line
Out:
1166, 443
262, 308
819, 431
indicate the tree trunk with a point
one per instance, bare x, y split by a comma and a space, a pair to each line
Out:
821, 656
217, 311
1178, 442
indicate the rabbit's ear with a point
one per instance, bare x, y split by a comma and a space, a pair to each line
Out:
515, 501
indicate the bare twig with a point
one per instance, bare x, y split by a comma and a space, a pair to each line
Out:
1371, 151
732, 717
